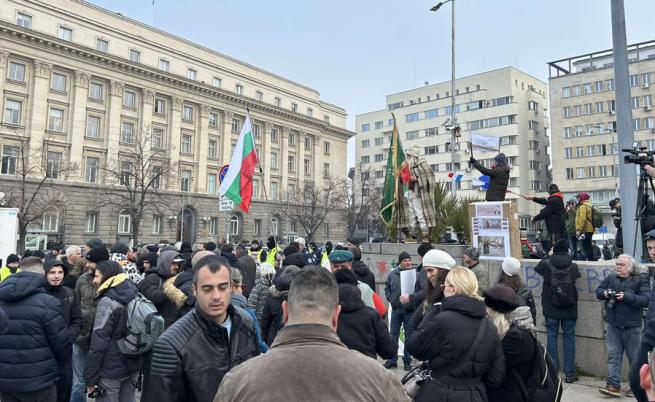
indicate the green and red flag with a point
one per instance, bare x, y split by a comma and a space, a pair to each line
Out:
237, 184
391, 191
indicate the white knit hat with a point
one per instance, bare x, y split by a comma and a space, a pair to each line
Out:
511, 266
438, 259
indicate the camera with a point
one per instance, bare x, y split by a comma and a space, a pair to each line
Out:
611, 295
97, 391
581, 237
639, 155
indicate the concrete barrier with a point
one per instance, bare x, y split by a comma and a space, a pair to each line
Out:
591, 352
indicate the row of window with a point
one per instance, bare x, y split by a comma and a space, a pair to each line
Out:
592, 172
429, 98
591, 150
645, 101
646, 123
643, 79
102, 44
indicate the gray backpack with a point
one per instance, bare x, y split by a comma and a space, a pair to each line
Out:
143, 324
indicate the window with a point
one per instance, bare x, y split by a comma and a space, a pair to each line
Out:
16, 71
577, 110
213, 226
569, 173
126, 172
24, 20
635, 102
155, 175
579, 152
257, 228
56, 120
187, 113
634, 80
164, 65
129, 99
326, 148
274, 191
236, 123
366, 143
580, 172
567, 111
411, 117
378, 157
239, 89
50, 220
598, 86
273, 160
308, 143
91, 222
274, 135
160, 106
185, 146
93, 127
259, 95
635, 124
591, 171
576, 90
95, 91
211, 149
157, 141
411, 135
566, 92
609, 85
291, 191
9, 159
191, 74
578, 131
91, 169
124, 222
294, 107
278, 102
586, 88
532, 105
65, 33
645, 79
135, 56
157, 224
211, 183
508, 140
185, 180
568, 153
379, 141
431, 150
648, 100
568, 132
291, 164
326, 230
12, 111
292, 139
433, 113
378, 125
127, 133
326, 170
365, 159
611, 106
102, 45
307, 167
255, 189
53, 165
366, 127
588, 108
599, 107
217, 82
58, 82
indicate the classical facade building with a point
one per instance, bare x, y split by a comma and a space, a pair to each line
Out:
81, 83
506, 103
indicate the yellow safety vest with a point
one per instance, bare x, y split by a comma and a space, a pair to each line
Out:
5, 272
270, 257
324, 258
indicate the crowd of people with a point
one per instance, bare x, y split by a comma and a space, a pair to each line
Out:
218, 315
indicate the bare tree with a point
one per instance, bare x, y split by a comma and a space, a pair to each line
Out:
136, 179
310, 204
362, 201
34, 172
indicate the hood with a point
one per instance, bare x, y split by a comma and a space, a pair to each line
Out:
360, 268
350, 298
182, 278
521, 317
464, 305
296, 259
561, 261
118, 288
558, 194
164, 262
20, 286
174, 294
239, 300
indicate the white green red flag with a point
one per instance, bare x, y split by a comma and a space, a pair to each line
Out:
237, 184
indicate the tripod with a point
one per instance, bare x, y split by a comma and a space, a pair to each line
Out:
644, 206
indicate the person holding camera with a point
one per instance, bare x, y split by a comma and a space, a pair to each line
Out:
625, 293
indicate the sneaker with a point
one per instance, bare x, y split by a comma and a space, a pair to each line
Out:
389, 364
407, 366
571, 379
629, 393
611, 390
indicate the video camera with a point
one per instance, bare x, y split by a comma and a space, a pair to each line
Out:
639, 155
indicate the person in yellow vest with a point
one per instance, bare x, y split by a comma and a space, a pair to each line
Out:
11, 268
271, 254
255, 251
328, 249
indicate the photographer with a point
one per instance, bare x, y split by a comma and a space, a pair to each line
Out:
615, 205
625, 293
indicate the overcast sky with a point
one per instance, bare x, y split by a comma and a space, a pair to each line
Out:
355, 52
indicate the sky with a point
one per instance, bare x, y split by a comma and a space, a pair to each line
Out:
355, 52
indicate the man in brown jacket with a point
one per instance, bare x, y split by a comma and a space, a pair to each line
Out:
317, 366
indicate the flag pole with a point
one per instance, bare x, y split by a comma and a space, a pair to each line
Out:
394, 207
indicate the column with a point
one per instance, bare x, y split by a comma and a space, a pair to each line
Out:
265, 159
200, 153
77, 113
284, 156
3, 71
112, 127
226, 137
147, 110
175, 127
36, 119
317, 161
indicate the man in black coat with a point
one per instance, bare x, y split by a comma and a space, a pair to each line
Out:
553, 213
402, 308
37, 341
360, 268
55, 271
498, 176
248, 267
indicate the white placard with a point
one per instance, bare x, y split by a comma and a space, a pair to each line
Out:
407, 281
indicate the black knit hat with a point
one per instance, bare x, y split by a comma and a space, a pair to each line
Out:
120, 248
402, 256
12, 258
98, 254
561, 247
345, 276
296, 259
501, 298
424, 248
290, 249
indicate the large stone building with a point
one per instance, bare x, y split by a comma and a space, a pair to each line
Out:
80, 83
506, 103
583, 122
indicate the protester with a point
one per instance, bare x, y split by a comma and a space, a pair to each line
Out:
510, 275
272, 317
310, 259
119, 253
596, 253
107, 371
615, 205
76, 263
308, 347
625, 294
191, 357
239, 300
462, 347
559, 302
325, 257
360, 268
402, 309
471, 259
209, 246
342, 259
571, 211
498, 176
553, 213
583, 224
186, 252
273, 253
37, 342
227, 252
55, 271
421, 284
12, 266
257, 298
360, 327
248, 267
152, 286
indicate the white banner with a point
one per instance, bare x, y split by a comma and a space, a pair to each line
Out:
484, 143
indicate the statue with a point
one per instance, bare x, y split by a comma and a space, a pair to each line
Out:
419, 178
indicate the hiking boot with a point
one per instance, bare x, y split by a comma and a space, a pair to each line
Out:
611, 390
571, 379
389, 364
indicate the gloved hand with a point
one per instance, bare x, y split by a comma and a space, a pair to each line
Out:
472, 160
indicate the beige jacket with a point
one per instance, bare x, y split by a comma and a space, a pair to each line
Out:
308, 362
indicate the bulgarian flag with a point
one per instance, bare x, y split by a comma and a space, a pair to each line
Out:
237, 184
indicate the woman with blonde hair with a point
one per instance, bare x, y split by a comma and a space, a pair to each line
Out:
461, 345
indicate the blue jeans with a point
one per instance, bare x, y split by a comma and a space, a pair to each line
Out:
398, 319
568, 335
78, 393
620, 340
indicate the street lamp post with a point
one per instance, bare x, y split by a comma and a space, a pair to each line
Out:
453, 120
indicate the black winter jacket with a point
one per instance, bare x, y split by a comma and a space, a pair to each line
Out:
151, 288
627, 313
553, 213
190, 358
361, 328
248, 268
443, 338
498, 181
519, 349
420, 287
85, 296
184, 282
104, 359
37, 342
527, 299
364, 274
272, 315
70, 308
561, 261
392, 293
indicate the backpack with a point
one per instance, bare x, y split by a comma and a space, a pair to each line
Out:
543, 384
596, 217
143, 325
562, 289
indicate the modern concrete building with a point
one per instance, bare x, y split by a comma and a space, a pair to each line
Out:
583, 125
80, 82
506, 103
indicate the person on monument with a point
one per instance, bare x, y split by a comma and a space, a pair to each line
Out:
553, 213
419, 178
498, 176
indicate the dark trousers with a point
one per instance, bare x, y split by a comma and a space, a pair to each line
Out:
65, 383
586, 245
573, 244
44, 395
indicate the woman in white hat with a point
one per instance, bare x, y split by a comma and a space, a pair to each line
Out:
510, 276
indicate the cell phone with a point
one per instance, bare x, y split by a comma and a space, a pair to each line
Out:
651, 365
